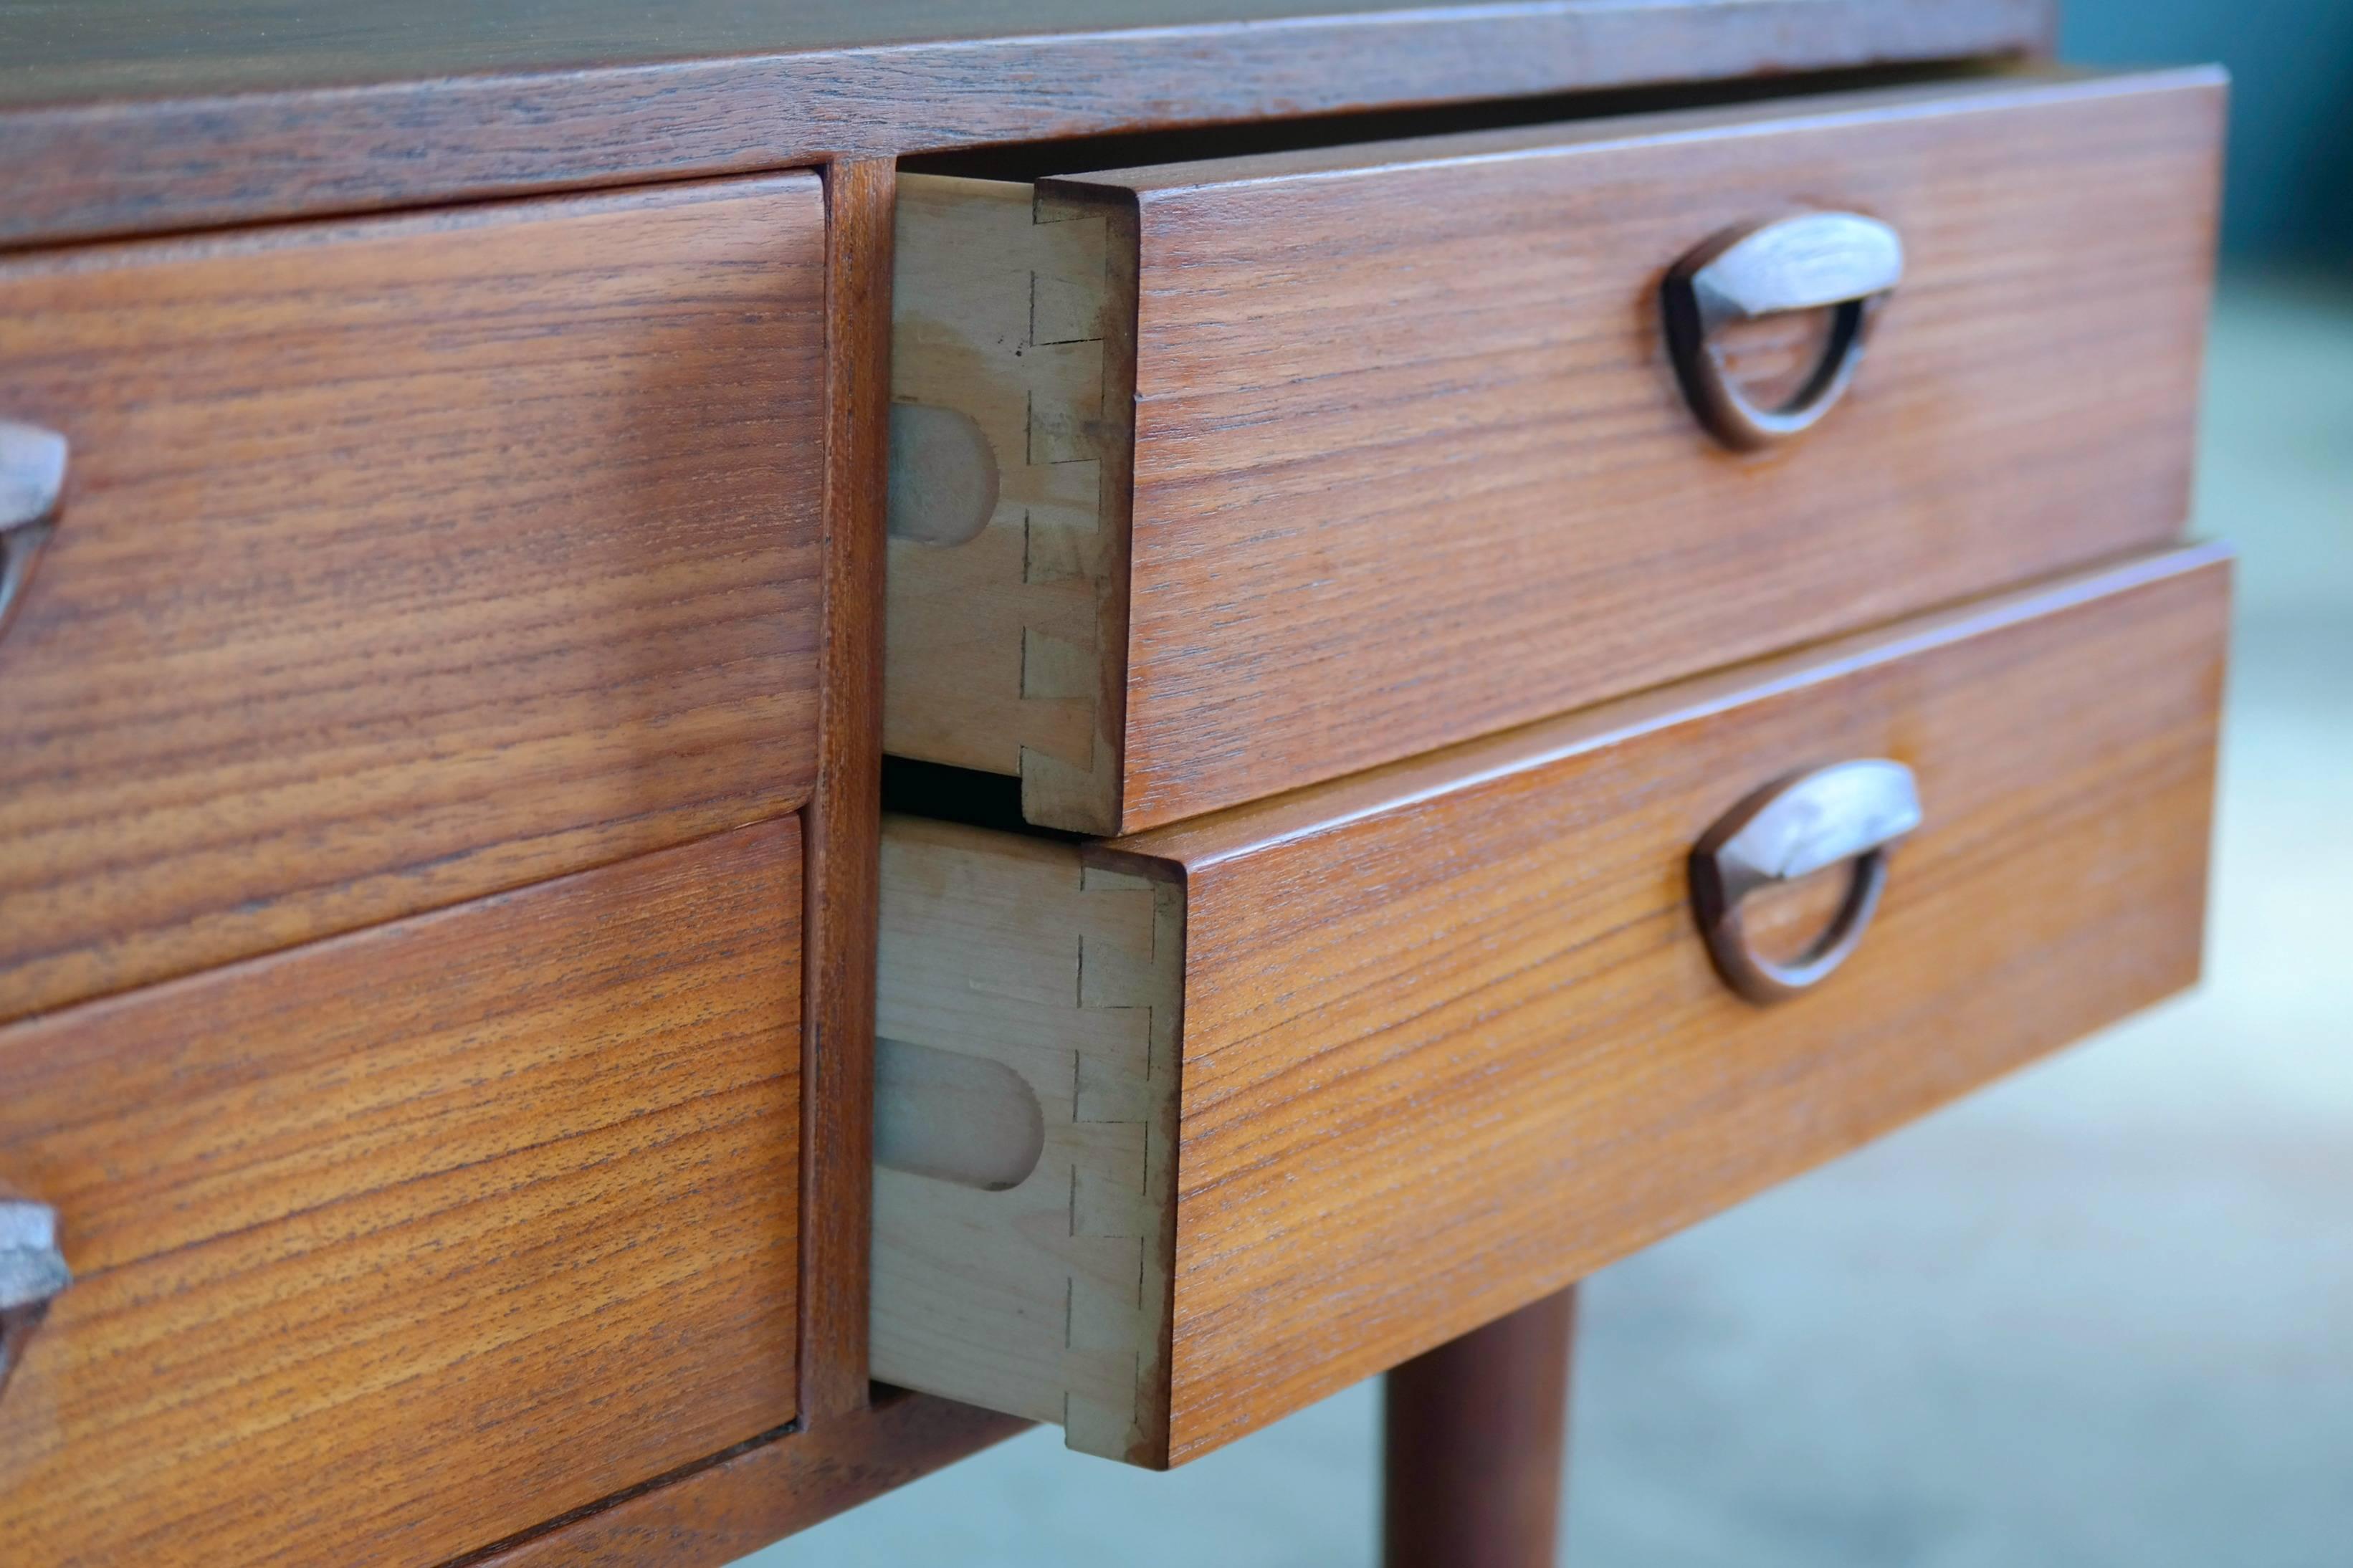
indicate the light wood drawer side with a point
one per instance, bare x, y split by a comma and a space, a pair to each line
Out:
1447, 1038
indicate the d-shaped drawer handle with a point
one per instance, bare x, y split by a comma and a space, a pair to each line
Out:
32, 482
32, 1271
1812, 261
1851, 811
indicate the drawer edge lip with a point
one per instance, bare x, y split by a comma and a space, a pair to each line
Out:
358, 935
1931, 101
294, 233
1238, 832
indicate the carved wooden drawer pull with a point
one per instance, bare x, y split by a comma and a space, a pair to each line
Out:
1851, 811
32, 480
1811, 262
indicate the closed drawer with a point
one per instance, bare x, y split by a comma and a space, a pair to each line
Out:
401, 562
1180, 1132
392, 1246
1289, 466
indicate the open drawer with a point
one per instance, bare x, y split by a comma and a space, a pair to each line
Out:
1179, 1133
1217, 480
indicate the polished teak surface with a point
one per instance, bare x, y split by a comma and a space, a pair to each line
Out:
402, 562
237, 111
1315, 460
638, 610
494, 1211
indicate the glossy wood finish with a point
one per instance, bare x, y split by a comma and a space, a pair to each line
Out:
402, 562
169, 48
248, 113
1500, 940
1450, 1039
1474, 1436
715, 1513
394, 1245
1408, 464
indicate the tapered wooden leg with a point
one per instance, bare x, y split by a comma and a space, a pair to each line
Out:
1475, 1435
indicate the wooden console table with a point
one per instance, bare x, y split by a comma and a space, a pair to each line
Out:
1446, 719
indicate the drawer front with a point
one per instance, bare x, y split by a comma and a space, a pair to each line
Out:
1446, 1036
402, 562
392, 1246
1310, 462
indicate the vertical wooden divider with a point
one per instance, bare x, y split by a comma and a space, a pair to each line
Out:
845, 817
847, 1447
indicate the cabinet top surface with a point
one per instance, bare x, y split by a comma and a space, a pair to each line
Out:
122, 117
56, 52
59, 51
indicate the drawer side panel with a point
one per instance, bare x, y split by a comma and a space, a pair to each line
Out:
1018, 985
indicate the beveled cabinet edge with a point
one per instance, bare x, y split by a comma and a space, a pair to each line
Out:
1006, 950
1014, 311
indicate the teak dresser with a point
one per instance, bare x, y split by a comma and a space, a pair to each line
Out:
738, 744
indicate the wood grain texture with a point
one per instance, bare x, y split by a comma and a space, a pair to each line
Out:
1047, 1299
243, 111
403, 562
1016, 315
1410, 464
844, 817
390, 1246
715, 1514
148, 48
1451, 1041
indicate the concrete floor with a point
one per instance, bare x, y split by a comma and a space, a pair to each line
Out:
2100, 1314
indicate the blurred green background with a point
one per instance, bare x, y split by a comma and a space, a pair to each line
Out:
2291, 167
